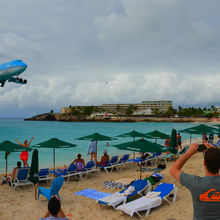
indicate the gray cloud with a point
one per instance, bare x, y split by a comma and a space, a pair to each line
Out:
93, 52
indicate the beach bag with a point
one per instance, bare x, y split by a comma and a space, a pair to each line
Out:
151, 180
161, 166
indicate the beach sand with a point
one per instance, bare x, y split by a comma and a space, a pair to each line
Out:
20, 203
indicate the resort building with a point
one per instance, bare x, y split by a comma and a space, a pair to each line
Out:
143, 108
162, 106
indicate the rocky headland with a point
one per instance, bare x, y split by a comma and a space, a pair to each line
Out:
72, 118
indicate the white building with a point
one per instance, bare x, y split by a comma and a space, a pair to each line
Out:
143, 112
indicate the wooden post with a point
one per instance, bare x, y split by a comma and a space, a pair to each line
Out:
133, 151
95, 156
6, 168
35, 191
54, 161
140, 171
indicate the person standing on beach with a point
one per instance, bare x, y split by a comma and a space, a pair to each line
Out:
204, 136
92, 150
179, 141
205, 190
211, 138
24, 154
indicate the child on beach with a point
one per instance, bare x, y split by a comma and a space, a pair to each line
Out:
24, 154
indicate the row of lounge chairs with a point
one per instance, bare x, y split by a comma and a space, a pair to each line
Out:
71, 171
22, 175
164, 191
21, 178
115, 163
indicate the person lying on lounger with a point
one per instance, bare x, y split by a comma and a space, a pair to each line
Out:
54, 210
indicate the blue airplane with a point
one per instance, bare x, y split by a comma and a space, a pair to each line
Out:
11, 70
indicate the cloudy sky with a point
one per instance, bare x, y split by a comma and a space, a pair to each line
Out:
91, 52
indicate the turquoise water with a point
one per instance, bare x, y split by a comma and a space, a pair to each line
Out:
11, 129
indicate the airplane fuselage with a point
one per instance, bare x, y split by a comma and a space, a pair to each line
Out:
10, 69
13, 68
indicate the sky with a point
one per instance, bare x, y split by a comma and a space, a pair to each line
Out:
114, 51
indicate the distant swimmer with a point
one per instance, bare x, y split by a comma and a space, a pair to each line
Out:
24, 154
107, 144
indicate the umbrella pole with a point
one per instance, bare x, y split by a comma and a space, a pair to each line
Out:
133, 151
96, 154
54, 161
35, 191
140, 171
190, 139
6, 170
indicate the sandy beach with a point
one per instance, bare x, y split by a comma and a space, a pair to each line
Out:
20, 203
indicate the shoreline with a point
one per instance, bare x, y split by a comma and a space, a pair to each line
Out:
70, 118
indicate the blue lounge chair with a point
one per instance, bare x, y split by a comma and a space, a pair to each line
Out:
151, 200
110, 165
117, 198
44, 174
217, 144
90, 167
122, 162
69, 172
21, 178
54, 189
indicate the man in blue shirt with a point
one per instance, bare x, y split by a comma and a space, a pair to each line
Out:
92, 150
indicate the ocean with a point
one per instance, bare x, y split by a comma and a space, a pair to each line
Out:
11, 129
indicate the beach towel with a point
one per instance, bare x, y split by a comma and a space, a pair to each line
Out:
92, 194
116, 185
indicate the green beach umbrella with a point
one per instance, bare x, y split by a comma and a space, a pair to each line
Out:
8, 147
156, 135
199, 129
97, 137
141, 145
34, 178
54, 143
217, 125
173, 142
133, 134
34, 167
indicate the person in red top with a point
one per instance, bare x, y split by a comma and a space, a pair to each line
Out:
24, 154
179, 141
167, 142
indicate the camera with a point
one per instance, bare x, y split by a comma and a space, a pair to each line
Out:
201, 148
